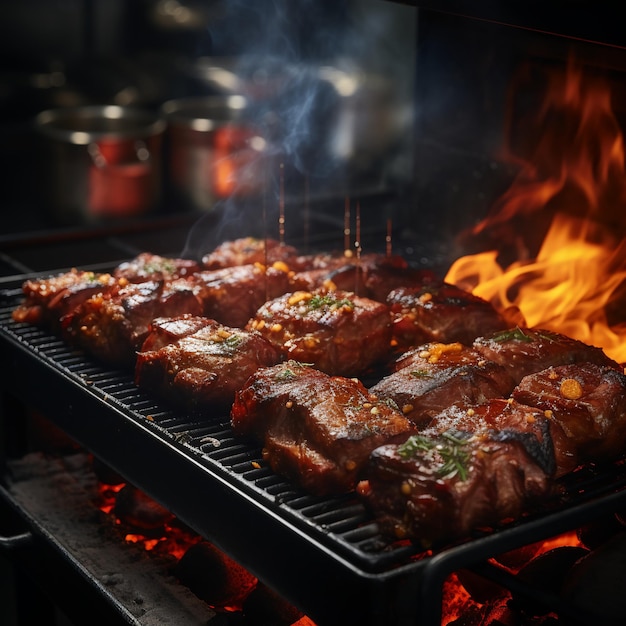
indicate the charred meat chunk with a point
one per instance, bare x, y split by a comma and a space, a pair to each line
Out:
167, 330
198, 363
438, 311
526, 423
147, 266
47, 300
232, 295
438, 489
112, 326
340, 333
317, 430
247, 251
430, 378
526, 351
372, 276
586, 406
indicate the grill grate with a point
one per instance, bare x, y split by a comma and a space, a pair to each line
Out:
145, 441
342, 520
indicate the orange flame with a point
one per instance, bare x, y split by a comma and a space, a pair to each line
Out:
572, 178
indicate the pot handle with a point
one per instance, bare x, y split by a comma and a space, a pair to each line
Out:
8, 544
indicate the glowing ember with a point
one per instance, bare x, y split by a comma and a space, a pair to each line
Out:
214, 577
459, 603
148, 544
571, 190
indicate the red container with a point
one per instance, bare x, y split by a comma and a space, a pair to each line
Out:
213, 151
101, 162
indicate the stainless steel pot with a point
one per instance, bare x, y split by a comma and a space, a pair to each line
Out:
101, 162
213, 151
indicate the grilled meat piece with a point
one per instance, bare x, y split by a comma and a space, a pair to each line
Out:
528, 424
371, 276
435, 490
438, 311
526, 351
147, 266
430, 378
232, 295
316, 429
113, 325
338, 332
586, 405
249, 250
47, 300
198, 363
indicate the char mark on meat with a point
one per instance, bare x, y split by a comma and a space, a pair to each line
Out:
317, 430
428, 379
439, 312
336, 331
198, 363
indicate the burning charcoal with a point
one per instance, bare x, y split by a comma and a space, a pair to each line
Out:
214, 577
264, 607
135, 508
516, 559
546, 573
594, 534
480, 588
494, 614
595, 584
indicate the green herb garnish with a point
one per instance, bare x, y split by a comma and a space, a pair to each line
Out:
317, 302
421, 374
287, 373
513, 334
232, 341
163, 265
452, 450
